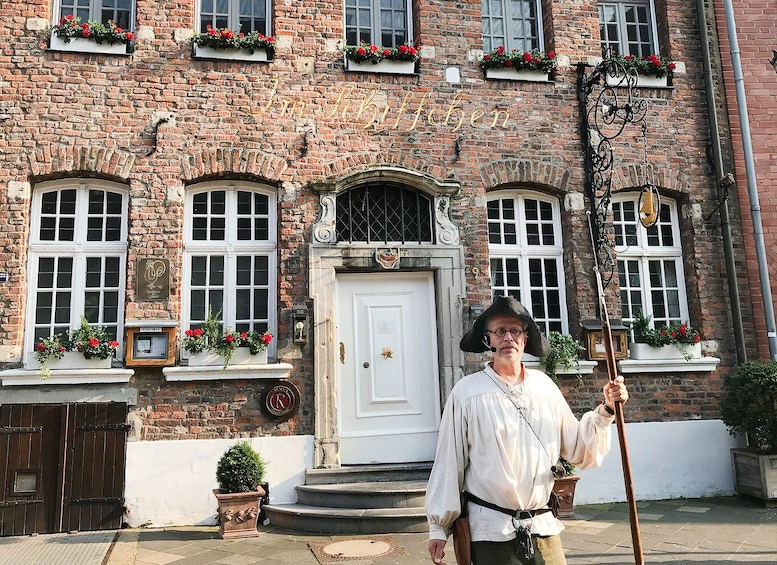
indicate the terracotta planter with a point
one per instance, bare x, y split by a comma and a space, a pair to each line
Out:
512, 74
644, 351
239, 513
755, 474
242, 356
565, 489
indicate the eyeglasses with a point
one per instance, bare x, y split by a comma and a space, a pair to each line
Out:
515, 332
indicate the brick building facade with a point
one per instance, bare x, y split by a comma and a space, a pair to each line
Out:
477, 185
755, 49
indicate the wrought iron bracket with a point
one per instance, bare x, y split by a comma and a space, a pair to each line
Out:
609, 102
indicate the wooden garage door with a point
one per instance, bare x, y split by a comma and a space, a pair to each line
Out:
63, 467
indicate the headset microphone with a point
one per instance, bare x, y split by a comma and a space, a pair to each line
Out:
485, 342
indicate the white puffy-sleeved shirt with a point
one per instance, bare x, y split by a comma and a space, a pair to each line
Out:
499, 442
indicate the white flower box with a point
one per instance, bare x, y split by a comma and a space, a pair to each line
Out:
72, 360
82, 45
642, 81
512, 74
258, 56
242, 356
385, 66
643, 351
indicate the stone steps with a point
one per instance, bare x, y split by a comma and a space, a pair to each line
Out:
367, 499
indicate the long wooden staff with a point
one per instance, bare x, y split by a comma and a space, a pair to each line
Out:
612, 371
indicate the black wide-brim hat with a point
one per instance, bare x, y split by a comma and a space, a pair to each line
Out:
536, 343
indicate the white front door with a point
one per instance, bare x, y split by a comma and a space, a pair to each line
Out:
388, 382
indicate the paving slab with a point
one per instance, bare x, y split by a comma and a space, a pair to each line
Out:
713, 531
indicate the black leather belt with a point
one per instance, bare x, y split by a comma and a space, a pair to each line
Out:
520, 514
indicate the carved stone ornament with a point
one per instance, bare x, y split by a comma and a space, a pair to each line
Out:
324, 230
388, 258
447, 232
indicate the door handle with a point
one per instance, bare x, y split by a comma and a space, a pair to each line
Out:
342, 353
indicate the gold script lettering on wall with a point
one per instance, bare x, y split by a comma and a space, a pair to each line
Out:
376, 109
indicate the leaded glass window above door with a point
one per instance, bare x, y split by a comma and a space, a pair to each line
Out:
384, 213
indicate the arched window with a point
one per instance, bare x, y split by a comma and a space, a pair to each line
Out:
78, 253
526, 254
650, 262
385, 213
230, 256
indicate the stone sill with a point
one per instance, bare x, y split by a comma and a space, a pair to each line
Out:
21, 377
701, 365
273, 371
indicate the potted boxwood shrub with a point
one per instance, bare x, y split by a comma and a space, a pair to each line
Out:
240, 473
749, 406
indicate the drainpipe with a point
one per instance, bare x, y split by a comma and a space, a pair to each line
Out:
720, 174
752, 187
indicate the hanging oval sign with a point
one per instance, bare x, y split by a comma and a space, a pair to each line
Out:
281, 401
649, 205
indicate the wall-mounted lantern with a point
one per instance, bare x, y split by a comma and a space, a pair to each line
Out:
594, 339
300, 325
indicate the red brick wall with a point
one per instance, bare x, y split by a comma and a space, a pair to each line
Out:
755, 24
75, 114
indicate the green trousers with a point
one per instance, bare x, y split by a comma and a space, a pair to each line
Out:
547, 551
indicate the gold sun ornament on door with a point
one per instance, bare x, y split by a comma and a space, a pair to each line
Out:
387, 353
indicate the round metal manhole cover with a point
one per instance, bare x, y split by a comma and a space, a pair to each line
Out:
357, 548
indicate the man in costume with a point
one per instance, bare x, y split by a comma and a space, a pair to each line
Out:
503, 430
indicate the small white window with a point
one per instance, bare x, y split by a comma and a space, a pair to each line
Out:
386, 23
245, 16
650, 263
526, 255
512, 24
628, 27
120, 11
78, 253
230, 256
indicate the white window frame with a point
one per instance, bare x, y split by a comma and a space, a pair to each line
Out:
231, 248
509, 41
622, 30
79, 250
233, 21
95, 9
642, 253
524, 252
375, 23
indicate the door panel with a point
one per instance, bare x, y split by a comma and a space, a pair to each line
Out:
94, 485
62, 467
388, 401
